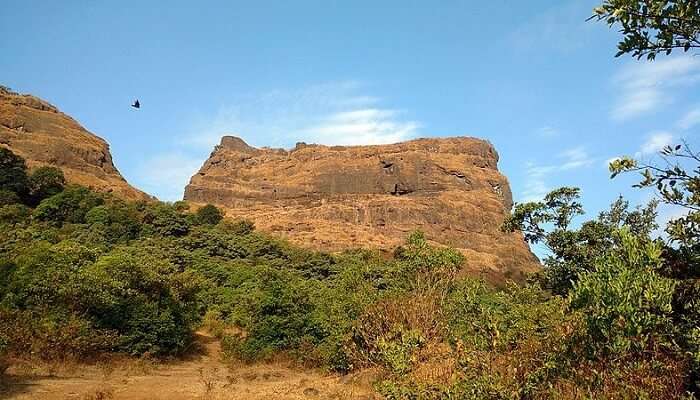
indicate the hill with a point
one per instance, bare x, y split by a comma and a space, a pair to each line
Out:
333, 198
42, 135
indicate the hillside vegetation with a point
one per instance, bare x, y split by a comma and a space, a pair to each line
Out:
613, 315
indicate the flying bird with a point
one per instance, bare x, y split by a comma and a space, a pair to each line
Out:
136, 104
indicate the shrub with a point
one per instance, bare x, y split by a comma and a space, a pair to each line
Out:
53, 335
497, 320
209, 215
166, 220
4, 362
423, 267
237, 227
45, 182
68, 206
627, 305
143, 298
275, 312
13, 173
14, 213
117, 221
8, 197
391, 331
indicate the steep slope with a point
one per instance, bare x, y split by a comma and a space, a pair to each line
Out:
42, 135
334, 198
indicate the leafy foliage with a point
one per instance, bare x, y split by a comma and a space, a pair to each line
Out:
209, 215
626, 303
574, 251
70, 205
85, 274
45, 182
650, 27
13, 173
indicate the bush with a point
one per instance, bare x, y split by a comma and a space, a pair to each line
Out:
238, 227
45, 182
14, 213
209, 215
627, 305
4, 361
13, 173
7, 198
390, 332
275, 312
117, 221
144, 299
68, 206
166, 220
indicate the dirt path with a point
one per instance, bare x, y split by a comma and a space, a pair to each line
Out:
203, 376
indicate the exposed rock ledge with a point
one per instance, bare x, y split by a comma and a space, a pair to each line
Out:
337, 197
42, 135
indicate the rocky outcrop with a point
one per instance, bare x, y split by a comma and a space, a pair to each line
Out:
334, 198
42, 135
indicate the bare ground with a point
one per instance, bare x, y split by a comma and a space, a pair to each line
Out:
203, 376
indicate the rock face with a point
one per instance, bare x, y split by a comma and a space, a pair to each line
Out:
42, 135
334, 198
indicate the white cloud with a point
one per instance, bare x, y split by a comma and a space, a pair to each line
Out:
690, 119
548, 132
646, 85
654, 143
167, 174
364, 126
535, 181
536, 176
333, 113
575, 158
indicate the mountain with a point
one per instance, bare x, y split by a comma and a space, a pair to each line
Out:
42, 135
334, 198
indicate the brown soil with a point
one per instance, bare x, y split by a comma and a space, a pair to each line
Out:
202, 376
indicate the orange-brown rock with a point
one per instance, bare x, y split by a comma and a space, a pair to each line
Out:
42, 135
333, 198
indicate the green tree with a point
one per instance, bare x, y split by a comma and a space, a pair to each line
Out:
651, 27
14, 213
209, 215
142, 297
13, 173
166, 220
574, 251
626, 303
118, 221
70, 205
45, 182
676, 181
8, 197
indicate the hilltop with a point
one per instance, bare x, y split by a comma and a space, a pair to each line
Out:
43, 135
335, 197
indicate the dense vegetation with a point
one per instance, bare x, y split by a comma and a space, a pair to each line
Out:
614, 314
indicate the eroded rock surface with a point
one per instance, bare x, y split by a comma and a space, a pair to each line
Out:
338, 197
42, 135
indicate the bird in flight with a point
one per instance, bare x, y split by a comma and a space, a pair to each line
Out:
136, 104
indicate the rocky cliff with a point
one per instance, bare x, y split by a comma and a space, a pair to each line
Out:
333, 198
42, 135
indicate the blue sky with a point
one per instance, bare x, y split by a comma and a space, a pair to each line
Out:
533, 77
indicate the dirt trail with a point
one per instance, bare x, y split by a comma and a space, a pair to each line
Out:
203, 376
